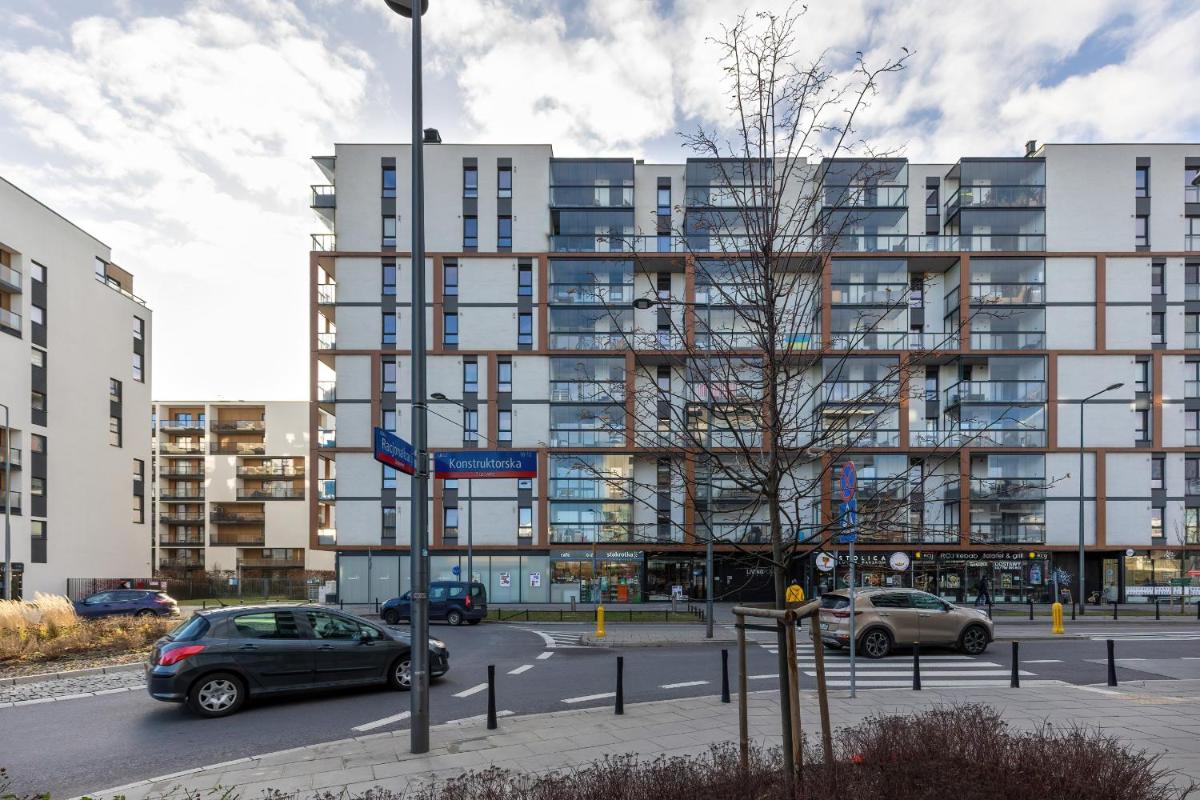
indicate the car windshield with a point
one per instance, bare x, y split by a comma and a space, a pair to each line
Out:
834, 601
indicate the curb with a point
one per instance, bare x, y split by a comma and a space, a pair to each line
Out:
75, 673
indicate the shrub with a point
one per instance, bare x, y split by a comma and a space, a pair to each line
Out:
48, 628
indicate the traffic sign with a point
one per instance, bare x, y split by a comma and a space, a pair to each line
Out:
849, 480
847, 538
390, 449
485, 464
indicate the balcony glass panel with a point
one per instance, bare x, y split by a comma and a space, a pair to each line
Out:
1010, 329
587, 425
1003, 426
587, 380
591, 183
865, 196
993, 533
591, 282
10, 277
586, 328
1004, 172
10, 319
996, 391
996, 197
590, 476
1001, 223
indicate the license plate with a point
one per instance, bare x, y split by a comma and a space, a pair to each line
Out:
826, 626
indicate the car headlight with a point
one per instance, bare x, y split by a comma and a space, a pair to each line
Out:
438, 643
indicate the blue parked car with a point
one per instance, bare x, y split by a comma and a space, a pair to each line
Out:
454, 601
130, 602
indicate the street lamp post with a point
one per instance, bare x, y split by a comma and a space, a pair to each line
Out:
8, 576
1082, 406
419, 536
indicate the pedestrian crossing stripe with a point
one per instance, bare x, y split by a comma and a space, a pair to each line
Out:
902, 684
561, 640
943, 673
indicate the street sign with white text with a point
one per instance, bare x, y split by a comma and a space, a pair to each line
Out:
485, 464
390, 449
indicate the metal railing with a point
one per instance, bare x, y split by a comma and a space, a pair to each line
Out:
1033, 294
587, 391
590, 488
181, 473
274, 493
167, 540
588, 532
268, 472
271, 563
10, 277
239, 448
995, 392
226, 516
1006, 533
180, 517
116, 287
1008, 340
187, 495
324, 242
323, 196
181, 448
224, 540
326, 341
182, 424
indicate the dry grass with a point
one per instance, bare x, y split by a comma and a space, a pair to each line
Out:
48, 628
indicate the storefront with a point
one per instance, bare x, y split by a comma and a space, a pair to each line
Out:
1151, 575
584, 575
872, 569
509, 577
1012, 576
665, 571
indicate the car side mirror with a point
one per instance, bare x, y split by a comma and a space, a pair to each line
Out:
364, 638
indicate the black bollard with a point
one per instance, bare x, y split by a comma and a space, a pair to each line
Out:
1114, 609
620, 709
916, 667
1198, 610
1112, 664
1157, 614
491, 717
1072, 611
1015, 681
341, 604
1031, 609
724, 676
376, 605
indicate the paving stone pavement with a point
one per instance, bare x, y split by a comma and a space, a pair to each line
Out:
1161, 717
70, 688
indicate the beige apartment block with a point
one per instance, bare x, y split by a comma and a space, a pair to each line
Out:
75, 378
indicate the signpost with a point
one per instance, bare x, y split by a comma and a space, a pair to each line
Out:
850, 533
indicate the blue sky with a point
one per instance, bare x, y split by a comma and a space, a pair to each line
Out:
179, 132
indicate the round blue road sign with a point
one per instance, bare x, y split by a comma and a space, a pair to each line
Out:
849, 480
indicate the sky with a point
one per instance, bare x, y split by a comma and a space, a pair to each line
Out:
180, 132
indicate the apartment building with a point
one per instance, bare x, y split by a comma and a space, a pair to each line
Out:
75, 380
230, 483
1031, 282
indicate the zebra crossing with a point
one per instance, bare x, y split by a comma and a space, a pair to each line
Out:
938, 670
1145, 636
558, 640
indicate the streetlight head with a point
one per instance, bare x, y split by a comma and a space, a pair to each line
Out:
1114, 386
405, 7
438, 396
642, 303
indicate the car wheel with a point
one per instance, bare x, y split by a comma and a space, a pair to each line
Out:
454, 617
876, 643
973, 641
390, 616
400, 675
217, 695
144, 612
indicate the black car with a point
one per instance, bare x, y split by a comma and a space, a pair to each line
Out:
220, 657
454, 601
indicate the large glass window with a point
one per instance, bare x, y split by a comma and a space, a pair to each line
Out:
470, 181
470, 377
389, 181
470, 233
504, 232
389, 232
504, 182
389, 328
587, 426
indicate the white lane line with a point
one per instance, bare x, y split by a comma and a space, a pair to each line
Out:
379, 723
520, 669
1191, 658
589, 697
683, 684
931, 684
476, 689
545, 655
762, 677
899, 673
902, 664
1041, 661
478, 718
1132, 659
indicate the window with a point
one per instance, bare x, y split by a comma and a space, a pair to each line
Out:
470, 377
470, 182
664, 201
37, 357
389, 181
37, 529
450, 328
470, 233
1156, 523
504, 373
389, 477
389, 376
525, 522
1158, 466
114, 431
450, 485
389, 328
1157, 282
138, 362
664, 286
37, 443
1141, 232
267, 625
330, 626
38, 401
932, 206
114, 390
450, 521
525, 483
1158, 327
389, 231
139, 469
504, 426
450, 278
139, 514
1141, 424
389, 278
1142, 375
504, 232
389, 421
504, 182
927, 602
1141, 182
525, 329
37, 315
139, 328
37, 272
37, 486
525, 280
100, 268
470, 425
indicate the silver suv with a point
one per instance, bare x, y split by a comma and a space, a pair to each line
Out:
889, 618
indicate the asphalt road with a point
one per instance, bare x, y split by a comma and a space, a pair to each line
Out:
75, 746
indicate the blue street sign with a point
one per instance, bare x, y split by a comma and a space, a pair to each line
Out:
485, 464
456, 570
390, 449
847, 538
849, 513
849, 480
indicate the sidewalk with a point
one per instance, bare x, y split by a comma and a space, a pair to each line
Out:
662, 636
1157, 716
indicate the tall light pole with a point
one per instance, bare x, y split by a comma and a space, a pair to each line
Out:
419, 536
8, 576
470, 503
1082, 406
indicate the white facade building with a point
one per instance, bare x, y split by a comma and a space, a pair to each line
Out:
75, 376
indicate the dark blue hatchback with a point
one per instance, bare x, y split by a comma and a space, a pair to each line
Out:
454, 601
129, 602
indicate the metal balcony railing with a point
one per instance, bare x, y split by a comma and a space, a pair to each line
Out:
239, 448
181, 517
587, 391
323, 196
597, 488
182, 424
1004, 392
271, 493
585, 437
1016, 294
1008, 340
224, 516
326, 391
10, 456
999, 489
326, 293
324, 242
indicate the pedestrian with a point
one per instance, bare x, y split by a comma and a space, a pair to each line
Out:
982, 591
794, 596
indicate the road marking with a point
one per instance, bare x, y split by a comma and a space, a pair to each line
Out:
1191, 658
928, 684
476, 689
545, 655
899, 673
589, 697
1041, 661
478, 718
379, 723
762, 677
683, 684
520, 669
558, 639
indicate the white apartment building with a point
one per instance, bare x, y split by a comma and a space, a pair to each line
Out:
1091, 251
230, 483
75, 378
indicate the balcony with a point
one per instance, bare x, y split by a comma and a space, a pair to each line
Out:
574, 437
1191, 243
10, 279
326, 391
871, 340
326, 537
326, 293
616, 294
723, 340
1000, 437
998, 392
237, 540
233, 516
588, 532
327, 489
865, 196
866, 437
1001, 489
869, 294
326, 437
182, 425
239, 426
862, 392
10, 320
171, 495
324, 242
1191, 437
173, 540
1191, 341
181, 517
181, 474
10, 457
1191, 487
993, 533
11, 500
182, 564
326, 341
258, 562
271, 493
239, 448
587, 391
656, 341
597, 488
268, 472
323, 196
990, 196
588, 340
1013, 294
1191, 291
181, 448
1008, 340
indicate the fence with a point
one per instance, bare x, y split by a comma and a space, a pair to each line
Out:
79, 588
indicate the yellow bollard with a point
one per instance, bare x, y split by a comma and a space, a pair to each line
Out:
1056, 619
600, 622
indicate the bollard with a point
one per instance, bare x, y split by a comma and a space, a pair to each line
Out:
1157, 615
599, 622
724, 676
376, 605
620, 709
1073, 607
916, 667
491, 714
1114, 609
203, 604
572, 604
1198, 610
1056, 618
341, 603
1015, 681
1112, 664
1031, 609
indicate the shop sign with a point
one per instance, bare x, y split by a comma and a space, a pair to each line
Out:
979, 557
899, 561
1129, 553
879, 560
825, 562
601, 555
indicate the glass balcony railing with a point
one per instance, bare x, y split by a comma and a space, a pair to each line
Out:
864, 392
326, 536
177, 495
859, 196
658, 340
588, 340
603, 196
323, 196
10, 319
996, 197
326, 293
233, 516
326, 437
587, 391
1008, 340
575, 437
870, 340
1000, 437
995, 392
271, 493
1191, 438
1008, 294
588, 532
239, 448
10, 278
181, 448
604, 294
1191, 487
326, 341
324, 242
874, 437
1191, 341
182, 424
1008, 533
326, 391
10, 456
181, 517
1191, 291
997, 489
327, 489
869, 294
239, 425
615, 488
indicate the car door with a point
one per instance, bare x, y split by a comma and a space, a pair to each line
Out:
272, 649
938, 625
437, 600
896, 611
97, 605
342, 654
126, 602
